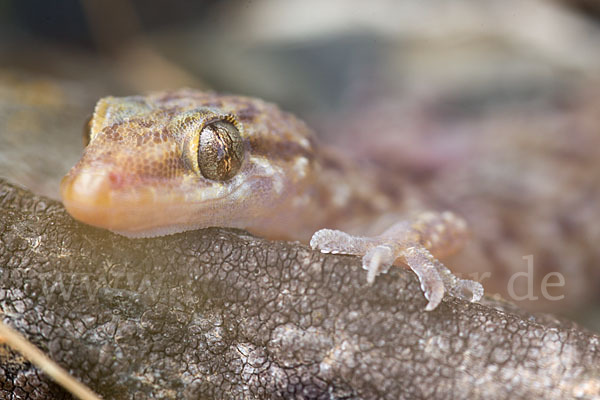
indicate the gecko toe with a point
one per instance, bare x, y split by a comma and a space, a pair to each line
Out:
337, 242
424, 265
325, 240
377, 260
468, 290
434, 293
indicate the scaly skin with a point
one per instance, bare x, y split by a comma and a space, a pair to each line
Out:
147, 172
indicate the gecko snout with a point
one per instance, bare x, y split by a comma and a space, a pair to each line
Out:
102, 198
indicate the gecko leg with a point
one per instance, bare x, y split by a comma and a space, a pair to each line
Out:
413, 242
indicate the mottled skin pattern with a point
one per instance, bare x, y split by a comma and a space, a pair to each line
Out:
139, 176
288, 186
135, 162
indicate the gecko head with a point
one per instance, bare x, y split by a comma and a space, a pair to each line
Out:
171, 162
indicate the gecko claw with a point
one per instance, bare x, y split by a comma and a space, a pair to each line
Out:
377, 260
434, 293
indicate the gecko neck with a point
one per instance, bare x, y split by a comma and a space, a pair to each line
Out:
340, 194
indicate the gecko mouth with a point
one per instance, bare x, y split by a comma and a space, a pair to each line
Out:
106, 200
100, 198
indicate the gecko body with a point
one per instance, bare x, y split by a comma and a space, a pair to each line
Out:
175, 161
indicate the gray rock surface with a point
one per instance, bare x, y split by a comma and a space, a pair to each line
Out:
218, 313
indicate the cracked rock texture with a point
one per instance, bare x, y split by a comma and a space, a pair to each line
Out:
218, 313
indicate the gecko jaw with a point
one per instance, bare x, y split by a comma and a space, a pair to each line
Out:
98, 198
105, 199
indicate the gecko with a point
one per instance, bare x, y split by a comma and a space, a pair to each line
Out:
180, 160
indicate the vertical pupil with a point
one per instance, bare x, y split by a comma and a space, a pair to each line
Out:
220, 151
222, 141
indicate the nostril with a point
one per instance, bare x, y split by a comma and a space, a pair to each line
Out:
116, 180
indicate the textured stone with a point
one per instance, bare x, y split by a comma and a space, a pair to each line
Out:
218, 313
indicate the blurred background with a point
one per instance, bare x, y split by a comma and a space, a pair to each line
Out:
488, 108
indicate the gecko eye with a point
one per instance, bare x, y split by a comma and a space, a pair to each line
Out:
220, 151
87, 131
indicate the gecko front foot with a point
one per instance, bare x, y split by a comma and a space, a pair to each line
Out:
414, 243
